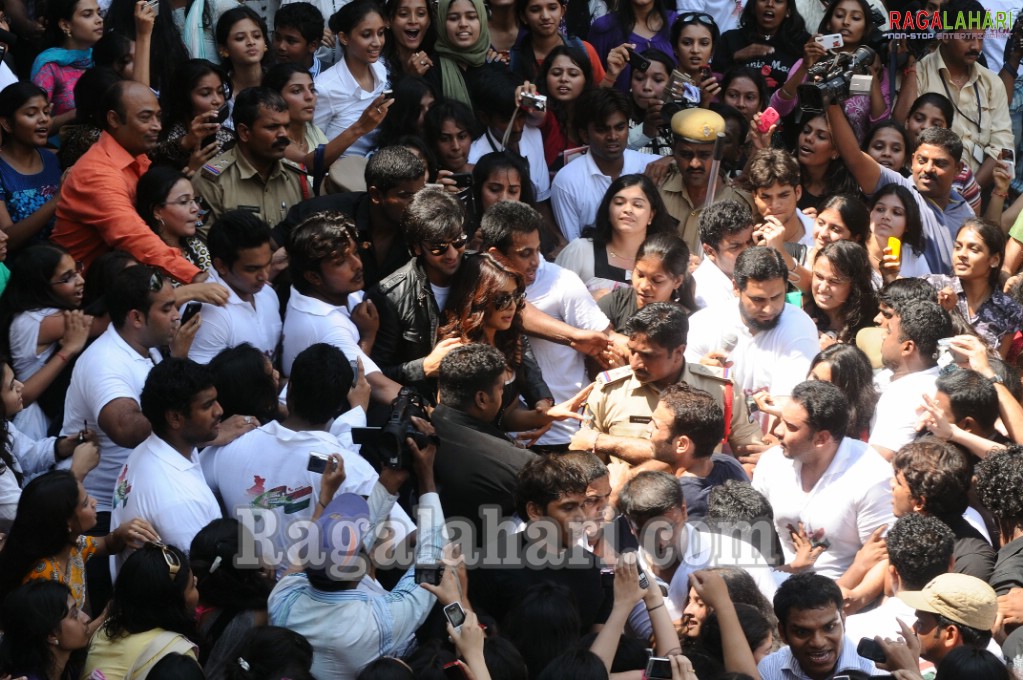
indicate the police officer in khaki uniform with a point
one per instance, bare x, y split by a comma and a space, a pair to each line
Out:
618, 412
684, 190
254, 175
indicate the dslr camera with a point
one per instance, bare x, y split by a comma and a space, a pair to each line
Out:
389, 441
834, 79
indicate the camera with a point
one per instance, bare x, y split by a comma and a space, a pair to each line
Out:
317, 462
607, 579
658, 668
842, 76
429, 573
637, 60
533, 102
389, 440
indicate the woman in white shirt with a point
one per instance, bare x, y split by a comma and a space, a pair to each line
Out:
894, 213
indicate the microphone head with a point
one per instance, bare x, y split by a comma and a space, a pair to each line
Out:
729, 341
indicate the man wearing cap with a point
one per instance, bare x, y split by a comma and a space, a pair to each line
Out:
685, 188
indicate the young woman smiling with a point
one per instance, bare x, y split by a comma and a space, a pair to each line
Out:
842, 299
410, 38
540, 34
895, 214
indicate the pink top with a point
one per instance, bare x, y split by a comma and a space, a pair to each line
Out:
59, 83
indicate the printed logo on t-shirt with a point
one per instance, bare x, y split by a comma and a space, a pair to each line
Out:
291, 500
122, 489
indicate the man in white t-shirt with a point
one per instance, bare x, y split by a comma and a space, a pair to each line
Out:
834, 488
726, 230
511, 231
602, 119
773, 342
239, 244
162, 481
325, 271
910, 350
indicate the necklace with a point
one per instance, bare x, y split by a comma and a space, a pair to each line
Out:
303, 145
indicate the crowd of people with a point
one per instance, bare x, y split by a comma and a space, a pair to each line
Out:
522, 340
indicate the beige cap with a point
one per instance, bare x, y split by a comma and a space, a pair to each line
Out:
958, 597
700, 126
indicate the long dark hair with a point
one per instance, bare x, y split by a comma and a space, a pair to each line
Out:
167, 51
226, 585
673, 253
994, 241
403, 116
791, 34
29, 287
625, 17
913, 236
854, 214
40, 528
869, 27
231, 17
852, 373
146, 596
152, 191
495, 161
13, 97
30, 615
478, 278
849, 259
525, 64
176, 101
837, 178
602, 230
390, 52
578, 58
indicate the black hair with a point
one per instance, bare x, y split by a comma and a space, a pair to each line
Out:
544, 480
250, 100
663, 323
686, 19
172, 385
31, 615
754, 76
415, 144
432, 215
319, 237
807, 590
970, 395
602, 230
886, 124
243, 385
166, 48
759, 263
320, 379
390, 53
869, 27
756, 627
403, 115
272, 652
854, 214
695, 414
586, 461
278, 76
222, 584
972, 637
466, 370
924, 323
852, 372
994, 240
938, 474
448, 109
16, 95
233, 16
543, 623
653, 55
900, 291
112, 51
176, 100
849, 260
596, 105
920, 548
99, 278
938, 101
132, 289
234, 231
999, 477
945, 139
349, 16
175, 666
972, 663
578, 57
56, 10
503, 220
650, 495
575, 664
90, 95
723, 218
304, 17
731, 113
153, 188
734, 502
791, 34
113, 100
147, 596
496, 161
392, 165
503, 659
28, 287
913, 235
827, 409
674, 255
386, 668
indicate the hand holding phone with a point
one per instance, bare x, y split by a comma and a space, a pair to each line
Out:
895, 245
768, 117
637, 60
868, 648
191, 309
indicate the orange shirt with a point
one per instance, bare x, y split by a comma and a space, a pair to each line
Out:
74, 577
96, 212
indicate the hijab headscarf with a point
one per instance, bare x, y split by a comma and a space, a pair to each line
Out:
453, 58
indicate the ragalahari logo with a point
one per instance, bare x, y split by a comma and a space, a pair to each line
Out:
937, 21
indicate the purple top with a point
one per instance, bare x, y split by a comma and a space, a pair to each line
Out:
607, 34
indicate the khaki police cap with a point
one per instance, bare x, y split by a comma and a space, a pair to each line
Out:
700, 126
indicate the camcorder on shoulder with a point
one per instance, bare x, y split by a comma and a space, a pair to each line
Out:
388, 442
833, 80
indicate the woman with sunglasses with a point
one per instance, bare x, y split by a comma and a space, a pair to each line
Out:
852, 20
485, 305
693, 36
639, 24
605, 254
45, 633
47, 541
44, 330
770, 39
167, 202
151, 615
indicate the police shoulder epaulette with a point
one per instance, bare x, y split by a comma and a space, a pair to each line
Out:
708, 371
293, 166
612, 376
214, 168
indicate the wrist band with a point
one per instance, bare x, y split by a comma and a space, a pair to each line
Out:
1000, 194
650, 609
321, 504
62, 357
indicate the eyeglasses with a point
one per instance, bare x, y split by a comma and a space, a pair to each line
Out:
440, 247
183, 201
698, 18
503, 301
170, 557
70, 276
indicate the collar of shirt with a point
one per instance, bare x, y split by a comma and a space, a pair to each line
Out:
849, 451
232, 296
351, 86
292, 437
246, 170
848, 659
941, 66
310, 305
591, 165
163, 451
119, 156
152, 359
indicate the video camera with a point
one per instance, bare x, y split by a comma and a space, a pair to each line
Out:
834, 79
389, 441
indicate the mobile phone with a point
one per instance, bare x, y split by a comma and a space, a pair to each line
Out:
637, 60
895, 245
658, 668
463, 180
155, 4
223, 113
832, 41
705, 72
454, 614
388, 94
429, 573
1009, 156
317, 462
868, 648
607, 579
455, 671
3, 52
191, 309
768, 117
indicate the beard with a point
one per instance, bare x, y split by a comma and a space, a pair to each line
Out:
758, 326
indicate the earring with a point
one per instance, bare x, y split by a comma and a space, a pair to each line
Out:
159, 221
67, 32
54, 641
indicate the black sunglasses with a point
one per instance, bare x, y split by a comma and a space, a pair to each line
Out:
503, 301
697, 17
437, 248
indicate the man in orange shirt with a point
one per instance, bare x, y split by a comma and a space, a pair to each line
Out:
96, 208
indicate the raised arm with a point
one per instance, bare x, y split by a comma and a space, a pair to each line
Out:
864, 169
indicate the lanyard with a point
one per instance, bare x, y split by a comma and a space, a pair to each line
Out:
955, 103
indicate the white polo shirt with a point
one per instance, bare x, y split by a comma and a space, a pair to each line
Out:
713, 286
308, 321
341, 101
776, 360
530, 148
267, 468
167, 490
579, 187
257, 323
897, 409
108, 369
851, 500
561, 294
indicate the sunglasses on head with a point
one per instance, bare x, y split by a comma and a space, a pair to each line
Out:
156, 282
503, 301
440, 247
170, 557
697, 18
